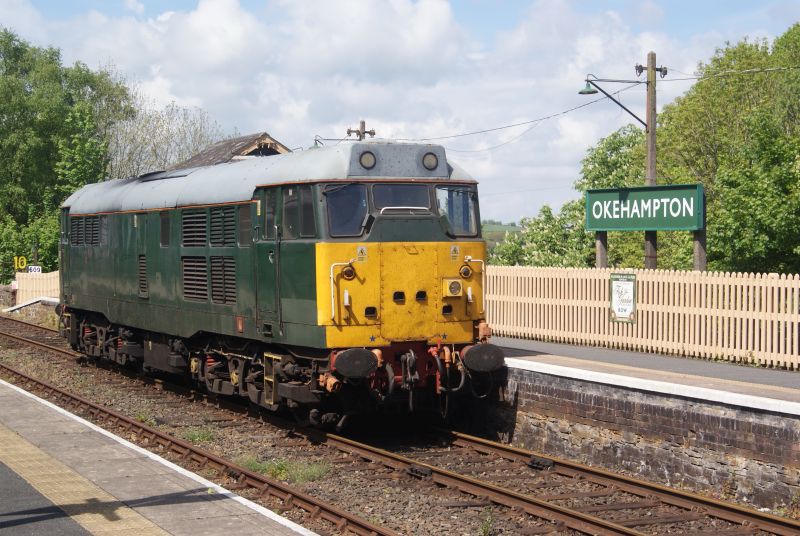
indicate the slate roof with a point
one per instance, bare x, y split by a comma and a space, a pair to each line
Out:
258, 144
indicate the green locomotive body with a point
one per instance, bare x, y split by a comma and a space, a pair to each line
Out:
309, 279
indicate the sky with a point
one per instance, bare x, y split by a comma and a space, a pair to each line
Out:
412, 69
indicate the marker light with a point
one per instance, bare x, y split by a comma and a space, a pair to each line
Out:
367, 160
430, 161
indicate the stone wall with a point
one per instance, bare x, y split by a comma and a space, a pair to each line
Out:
734, 452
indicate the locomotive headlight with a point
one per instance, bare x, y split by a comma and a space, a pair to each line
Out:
348, 272
452, 288
367, 160
430, 161
465, 272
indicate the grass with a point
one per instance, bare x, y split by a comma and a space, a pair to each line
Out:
487, 526
198, 435
290, 471
145, 418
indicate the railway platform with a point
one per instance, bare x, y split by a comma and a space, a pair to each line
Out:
712, 381
60, 474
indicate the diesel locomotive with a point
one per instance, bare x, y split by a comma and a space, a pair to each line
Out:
332, 281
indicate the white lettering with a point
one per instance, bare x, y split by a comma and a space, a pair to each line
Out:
656, 206
597, 209
688, 206
646, 208
615, 210
625, 209
665, 203
606, 207
675, 208
635, 210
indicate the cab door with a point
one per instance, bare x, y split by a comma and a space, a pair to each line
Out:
267, 257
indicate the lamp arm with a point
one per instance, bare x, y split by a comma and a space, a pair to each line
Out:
607, 94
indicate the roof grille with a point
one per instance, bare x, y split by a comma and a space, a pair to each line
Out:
194, 232
223, 280
223, 226
195, 278
144, 291
76, 231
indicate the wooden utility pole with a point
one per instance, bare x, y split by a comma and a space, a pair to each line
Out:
650, 242
601, 249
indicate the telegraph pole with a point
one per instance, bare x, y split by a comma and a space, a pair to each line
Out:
650, 240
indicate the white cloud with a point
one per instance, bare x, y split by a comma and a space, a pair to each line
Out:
134, 6
297, 69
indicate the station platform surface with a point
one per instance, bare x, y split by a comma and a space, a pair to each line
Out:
716, 381
60, 474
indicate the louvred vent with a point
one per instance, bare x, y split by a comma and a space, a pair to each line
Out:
195, 278
76, 231
92, 230
143, 289
223, 226
223, 280
194, 233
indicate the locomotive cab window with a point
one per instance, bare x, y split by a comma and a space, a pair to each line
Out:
347, 208
401, 195
457, 205
298, 212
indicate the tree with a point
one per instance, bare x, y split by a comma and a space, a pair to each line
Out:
157, 138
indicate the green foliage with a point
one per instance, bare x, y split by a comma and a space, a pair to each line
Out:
290, 471
738, 134
54, 122
199, 434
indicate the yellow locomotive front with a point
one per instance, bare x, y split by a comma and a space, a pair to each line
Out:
400, 287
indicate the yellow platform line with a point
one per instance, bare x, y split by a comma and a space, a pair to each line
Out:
94, 509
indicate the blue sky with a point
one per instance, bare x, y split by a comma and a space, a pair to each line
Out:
412, 69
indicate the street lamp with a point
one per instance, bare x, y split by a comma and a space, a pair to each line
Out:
592, 87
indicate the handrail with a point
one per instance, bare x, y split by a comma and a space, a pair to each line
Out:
468, 258
333, 292
404, 208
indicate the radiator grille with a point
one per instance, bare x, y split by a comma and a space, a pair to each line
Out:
76, 231
223, 226
194, 232
195, 278
92, 230
143, 289
223, 280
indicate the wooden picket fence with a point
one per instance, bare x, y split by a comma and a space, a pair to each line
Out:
745, 317
31, 286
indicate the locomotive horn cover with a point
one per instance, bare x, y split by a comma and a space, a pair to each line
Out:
483, 358
355, 363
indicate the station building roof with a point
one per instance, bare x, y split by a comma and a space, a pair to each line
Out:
236, 180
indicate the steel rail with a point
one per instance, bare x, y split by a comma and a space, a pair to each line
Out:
749, 518
573, 519
30, 324
318, 509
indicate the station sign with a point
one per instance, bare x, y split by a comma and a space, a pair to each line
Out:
673, 207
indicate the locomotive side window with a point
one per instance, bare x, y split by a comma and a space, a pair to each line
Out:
347, 208
298, 212
308, 227
164, 228
400, 195
271, 206
457, 204
245, 225
291, 213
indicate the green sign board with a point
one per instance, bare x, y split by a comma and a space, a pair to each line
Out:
674, 207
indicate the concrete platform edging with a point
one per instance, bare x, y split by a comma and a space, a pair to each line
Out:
661, 387
144, 452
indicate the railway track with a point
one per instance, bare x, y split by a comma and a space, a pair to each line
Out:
570, 497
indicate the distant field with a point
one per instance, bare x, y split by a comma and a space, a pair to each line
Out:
495, 232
